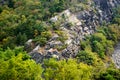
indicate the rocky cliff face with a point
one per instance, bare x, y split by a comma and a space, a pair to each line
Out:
106, 7
75, 27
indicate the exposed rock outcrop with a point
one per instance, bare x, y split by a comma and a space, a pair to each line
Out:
116, 56
75, 27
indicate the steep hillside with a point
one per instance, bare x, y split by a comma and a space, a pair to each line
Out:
59, 39
73, 25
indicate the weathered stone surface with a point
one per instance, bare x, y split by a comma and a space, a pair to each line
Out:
76, 26
116, 56
38, 57
53, 44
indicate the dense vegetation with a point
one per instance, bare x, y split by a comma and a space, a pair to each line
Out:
17, 65
21, 20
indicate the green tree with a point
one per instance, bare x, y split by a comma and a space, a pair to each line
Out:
16, 65
85, 57
21, 39
99, 48
109, 74
66, 70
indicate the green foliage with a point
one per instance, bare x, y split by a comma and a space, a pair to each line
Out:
8, 42
109, 48
86, 57
24, 19
12, 23
98, 43
53, 6
40, 40
21, 39
115, 31
66, 70
62, 35
21, 20
57, 6
99, 48
59, 48
85, 44
98, 37
1, 9
116, 13
109, 74
56, 25
11, 3
16, 65
8, 54
46, 34
102, 42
